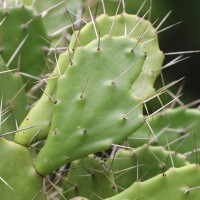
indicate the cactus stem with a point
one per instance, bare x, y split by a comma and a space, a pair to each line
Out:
113, 82
17, 50
84, 87
113, 22
54, 101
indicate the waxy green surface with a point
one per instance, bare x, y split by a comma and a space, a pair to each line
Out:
23, 40
18, 178
177, 183
90, 114
143, 163
177, 128
89, 177
135, 27
13, 99
40, 116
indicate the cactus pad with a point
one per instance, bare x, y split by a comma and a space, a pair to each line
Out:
89, 177
93, 97
18, 179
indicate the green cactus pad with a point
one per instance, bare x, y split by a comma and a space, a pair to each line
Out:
177, 183
89, 177
179, 126
144, 162
86, 35
22, 40
93, 98
13, 97
125, 24
40, 115
18, 179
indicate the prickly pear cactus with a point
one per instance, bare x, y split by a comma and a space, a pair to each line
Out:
124, 24
13, 99
40, 116
18, 179
93, 171
176, 183
143, 163
23, 40
92, 115
134, 27
177, 128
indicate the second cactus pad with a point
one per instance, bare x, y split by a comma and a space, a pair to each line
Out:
177, 183
23, 39
93, 171
94, 102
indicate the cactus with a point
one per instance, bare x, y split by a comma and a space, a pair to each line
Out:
13, 99
176, 183
94, 172
26, 50
134, 27
18, 179
96, 89
179, 127
142, 163
104, 24
40, 115
87, 131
